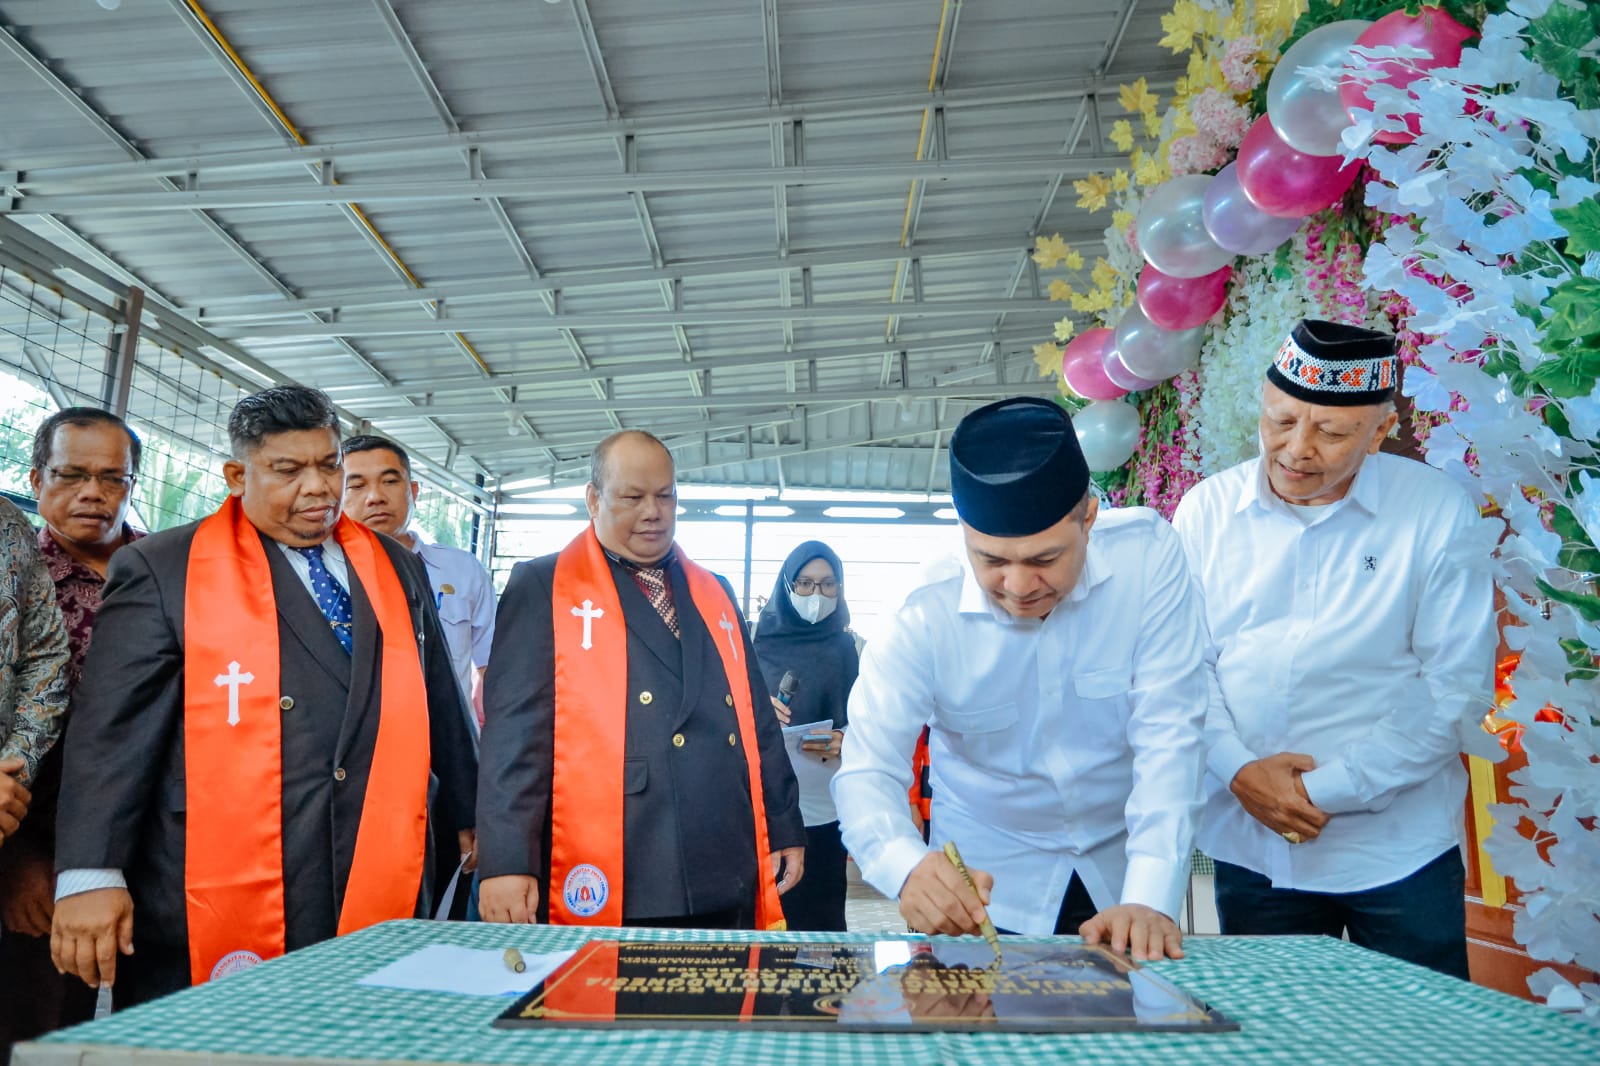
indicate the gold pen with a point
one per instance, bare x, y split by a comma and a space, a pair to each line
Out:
987, 928
514, 961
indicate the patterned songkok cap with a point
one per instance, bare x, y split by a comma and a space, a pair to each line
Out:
1335, 364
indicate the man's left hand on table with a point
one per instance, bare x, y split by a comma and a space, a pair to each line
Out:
1143, 932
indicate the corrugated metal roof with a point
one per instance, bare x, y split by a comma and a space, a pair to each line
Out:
790, 235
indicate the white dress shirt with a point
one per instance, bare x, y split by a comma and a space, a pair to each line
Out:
464, 597
74, 882
1062, 745
1361, 634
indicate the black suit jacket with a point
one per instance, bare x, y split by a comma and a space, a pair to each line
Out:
688, 831
123, 796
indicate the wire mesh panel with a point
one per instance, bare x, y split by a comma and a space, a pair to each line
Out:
180, 411
52, 355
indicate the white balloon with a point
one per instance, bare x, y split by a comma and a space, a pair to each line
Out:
1153, 353
1307, 118
1172, 233
1108, 432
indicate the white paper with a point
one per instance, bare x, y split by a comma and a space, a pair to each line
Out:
813, 771
442, 911
464, 971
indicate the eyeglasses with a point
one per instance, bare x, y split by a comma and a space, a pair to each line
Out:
116, 484
827, 586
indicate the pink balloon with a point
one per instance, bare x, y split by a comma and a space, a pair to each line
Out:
1285, 183
1121, 375
1181, 303
1429, 29
1081, 366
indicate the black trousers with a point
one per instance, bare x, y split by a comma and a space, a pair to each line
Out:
816, 904
1421, 918
34, 999
1076, 908
733, 918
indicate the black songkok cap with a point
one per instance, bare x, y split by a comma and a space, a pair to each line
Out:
1337, 365
1016, 467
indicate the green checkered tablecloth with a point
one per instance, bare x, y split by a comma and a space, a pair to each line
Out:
1303, 1001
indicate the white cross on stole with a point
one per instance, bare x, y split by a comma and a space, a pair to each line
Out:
588, 612
728, 627
231, 681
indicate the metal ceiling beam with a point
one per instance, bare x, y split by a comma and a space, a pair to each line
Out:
233, 68
411, 147
628, 320
667, 431
750, 356
717, 401
466, 291
627, 154
563, 184
41, 259
578, 469
471, 159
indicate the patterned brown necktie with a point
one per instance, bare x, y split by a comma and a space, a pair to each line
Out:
653, 583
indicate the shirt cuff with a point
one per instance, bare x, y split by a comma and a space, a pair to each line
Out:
1227, 757
893, 863
1332, 789
1155, 883
77, 882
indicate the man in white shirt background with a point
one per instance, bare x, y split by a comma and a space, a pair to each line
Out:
380, 493
1062, 675
1351, 642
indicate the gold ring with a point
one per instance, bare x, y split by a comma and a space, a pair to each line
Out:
1293, 837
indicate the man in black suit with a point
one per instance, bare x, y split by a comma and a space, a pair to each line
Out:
347, 609
706, 824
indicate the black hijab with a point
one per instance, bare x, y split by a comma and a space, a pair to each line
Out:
821, 655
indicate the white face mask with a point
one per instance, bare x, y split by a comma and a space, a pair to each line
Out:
815, 607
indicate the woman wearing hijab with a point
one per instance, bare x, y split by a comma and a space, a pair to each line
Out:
802, 634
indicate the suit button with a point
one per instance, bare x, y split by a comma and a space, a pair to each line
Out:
286, 704
339, 774
645, 698
677, 740
728, 700
733, 741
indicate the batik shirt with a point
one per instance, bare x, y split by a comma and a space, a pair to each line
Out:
33, 648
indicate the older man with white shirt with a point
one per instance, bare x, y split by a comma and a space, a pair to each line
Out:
1351, 640
1062, 676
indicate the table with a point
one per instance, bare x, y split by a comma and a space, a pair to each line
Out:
1303, 1001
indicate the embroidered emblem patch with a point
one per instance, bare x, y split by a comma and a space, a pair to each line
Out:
1369, 563
585, 890
234, 962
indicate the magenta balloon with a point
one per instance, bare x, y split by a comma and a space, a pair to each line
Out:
1237, 224
1121, 375
1082, 370
1181, 303
1091, 343
1287, 183
1429, 29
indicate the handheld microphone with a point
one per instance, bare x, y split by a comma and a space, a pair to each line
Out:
787, 686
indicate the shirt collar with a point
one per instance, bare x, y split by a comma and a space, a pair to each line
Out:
1364, 490
63, 566
665, 563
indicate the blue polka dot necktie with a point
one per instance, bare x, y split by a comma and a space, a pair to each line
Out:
331, 596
